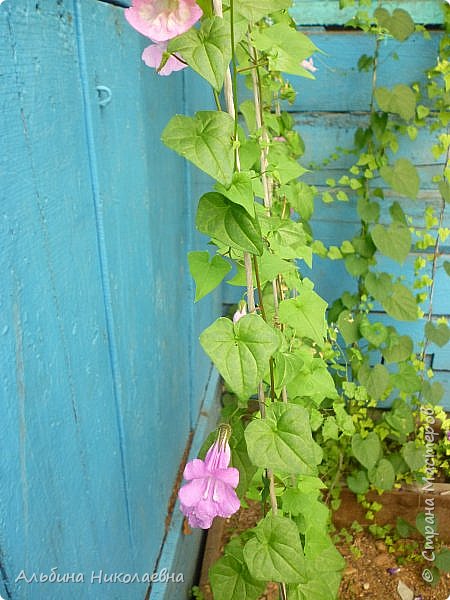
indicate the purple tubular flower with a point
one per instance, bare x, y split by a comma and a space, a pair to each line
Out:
393, 570
210, 491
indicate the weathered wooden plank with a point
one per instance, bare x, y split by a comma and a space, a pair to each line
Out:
324, 132
327, 12
55, 364
399, 62
146, 224
177, 554
345, 212
198, 96
123, 314
338, 70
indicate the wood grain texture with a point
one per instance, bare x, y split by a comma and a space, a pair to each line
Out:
327, 113
54, 356
102, 376
198, 96
340, 87
327, 12
97, 331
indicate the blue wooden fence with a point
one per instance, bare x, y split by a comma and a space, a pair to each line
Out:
98, 333
328, 111
102, 378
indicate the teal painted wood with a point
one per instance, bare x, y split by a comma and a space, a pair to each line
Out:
198, 97
317, 129
96, 325
327, 12
177, 555
54, 356
146, 244
337, 70
328, 120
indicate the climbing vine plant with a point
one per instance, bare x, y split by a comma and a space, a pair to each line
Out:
381, 359
301, 379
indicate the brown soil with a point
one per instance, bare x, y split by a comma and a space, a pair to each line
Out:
365, 576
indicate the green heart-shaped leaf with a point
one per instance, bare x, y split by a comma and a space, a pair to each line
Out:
402, 177
306, 314
283, 441
207, 50
286, 366
205, 140
400, 100
375, 333
393, 241
379, 285
348, 325
407, 379
382, 476
398, 348
276, 553
228, 223
241, 351
254, 10
286, 48
367, 450
401, 304
358, 482
400, 24
240, 191
374, 379
438, 334
207, 275
230, 578
414, 456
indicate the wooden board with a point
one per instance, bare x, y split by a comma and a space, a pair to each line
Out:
327, 12
98, 333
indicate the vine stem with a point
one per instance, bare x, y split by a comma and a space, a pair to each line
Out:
435, 259
231, 104
336, 477
267, 187
256, 80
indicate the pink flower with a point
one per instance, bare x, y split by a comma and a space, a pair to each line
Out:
241, 312
210, 491
309, 65
279, 138
162, 20
152, 56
